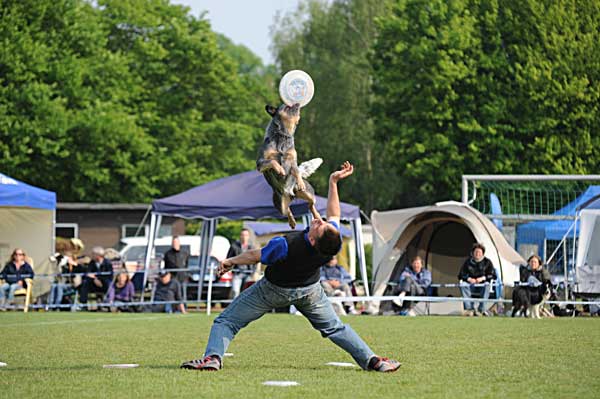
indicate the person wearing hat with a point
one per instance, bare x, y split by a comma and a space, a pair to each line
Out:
168, 290
99, 275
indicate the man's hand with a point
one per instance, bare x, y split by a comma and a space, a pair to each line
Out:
471, 280
334, 283
346, 170
225, 266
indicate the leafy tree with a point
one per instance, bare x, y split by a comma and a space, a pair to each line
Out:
121, 100
474, 86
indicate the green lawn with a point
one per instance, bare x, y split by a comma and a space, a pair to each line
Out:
61, 355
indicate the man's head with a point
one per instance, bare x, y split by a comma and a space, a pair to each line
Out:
478, 251
98, 254
244, 236
175, 243
324, 237
416, 264
164, 276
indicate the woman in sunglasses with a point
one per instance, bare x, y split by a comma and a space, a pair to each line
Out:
13, 276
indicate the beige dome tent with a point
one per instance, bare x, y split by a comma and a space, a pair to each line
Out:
442, 234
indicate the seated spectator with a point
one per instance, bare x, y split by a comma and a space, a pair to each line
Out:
167, 289
120, 292
62, 285
336, 281
13, 275
534, 273
475, 277
99, 275
414, 281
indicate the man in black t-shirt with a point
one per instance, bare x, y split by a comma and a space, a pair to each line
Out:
292, 278
176, 258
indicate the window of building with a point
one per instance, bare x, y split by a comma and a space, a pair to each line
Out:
66, 230
130, 230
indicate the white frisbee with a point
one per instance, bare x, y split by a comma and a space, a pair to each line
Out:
2, 364
281, 383
340, 364
296, 87
121, 366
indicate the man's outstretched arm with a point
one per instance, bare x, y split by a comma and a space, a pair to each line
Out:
245, 258
333, 200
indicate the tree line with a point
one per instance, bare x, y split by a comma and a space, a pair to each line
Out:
129, 100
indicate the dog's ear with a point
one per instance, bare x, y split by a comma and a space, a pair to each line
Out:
271, 110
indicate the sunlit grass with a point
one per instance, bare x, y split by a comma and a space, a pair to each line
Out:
61, 355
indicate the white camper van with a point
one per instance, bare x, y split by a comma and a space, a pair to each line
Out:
134, 252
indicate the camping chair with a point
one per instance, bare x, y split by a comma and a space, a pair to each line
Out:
495, 288
26, 293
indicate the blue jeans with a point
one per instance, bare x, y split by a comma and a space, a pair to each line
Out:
311, 301
56, 293
7, 290
468, 290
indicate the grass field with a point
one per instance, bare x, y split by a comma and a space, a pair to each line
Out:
61, 355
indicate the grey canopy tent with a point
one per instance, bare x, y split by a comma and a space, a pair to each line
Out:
587, 262
243, 196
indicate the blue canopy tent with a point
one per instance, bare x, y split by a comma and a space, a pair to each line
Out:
541, 231
27, 214
243, 196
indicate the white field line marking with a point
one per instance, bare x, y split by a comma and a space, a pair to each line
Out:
49, 323
121, 366
281, 383
340, 364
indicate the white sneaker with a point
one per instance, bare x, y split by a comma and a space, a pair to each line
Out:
353, 311
399, 301
411, 313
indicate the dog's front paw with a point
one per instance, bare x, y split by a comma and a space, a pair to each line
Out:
300, 185
292, 222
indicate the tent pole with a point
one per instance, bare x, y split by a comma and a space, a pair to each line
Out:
202, 258
564, 244
360, 252
577, 216
211, 233
149, 245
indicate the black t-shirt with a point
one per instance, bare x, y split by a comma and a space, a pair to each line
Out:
301, 266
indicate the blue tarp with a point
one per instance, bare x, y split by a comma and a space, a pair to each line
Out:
537, 232
243, 196
19, 194
262, 228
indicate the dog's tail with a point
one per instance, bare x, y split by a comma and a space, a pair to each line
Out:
307, 168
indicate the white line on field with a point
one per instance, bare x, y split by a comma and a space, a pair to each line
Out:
45, 323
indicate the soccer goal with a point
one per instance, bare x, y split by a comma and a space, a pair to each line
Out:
536, 213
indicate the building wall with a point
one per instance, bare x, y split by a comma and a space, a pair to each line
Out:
104, 227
